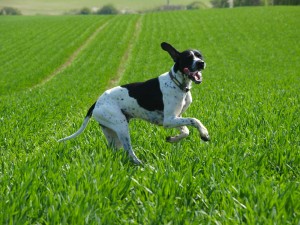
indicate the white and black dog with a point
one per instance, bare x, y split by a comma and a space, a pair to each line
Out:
161, 101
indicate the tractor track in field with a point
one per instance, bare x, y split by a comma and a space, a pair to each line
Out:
126, 56
121, 69
71, 59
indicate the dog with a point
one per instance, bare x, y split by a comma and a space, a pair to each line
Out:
161, 101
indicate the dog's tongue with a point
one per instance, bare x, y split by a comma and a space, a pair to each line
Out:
194, 76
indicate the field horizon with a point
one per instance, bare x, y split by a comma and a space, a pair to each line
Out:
55, 7
53, 68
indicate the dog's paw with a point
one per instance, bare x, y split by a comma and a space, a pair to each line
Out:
172, 139
205, 138
169, 139
137, 161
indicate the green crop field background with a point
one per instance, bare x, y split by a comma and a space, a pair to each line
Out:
52, 69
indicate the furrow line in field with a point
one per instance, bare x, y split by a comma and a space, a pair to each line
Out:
71, 59
125, 58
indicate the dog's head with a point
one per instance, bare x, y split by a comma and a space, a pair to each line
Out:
189, 62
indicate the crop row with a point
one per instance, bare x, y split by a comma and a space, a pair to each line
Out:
32, 47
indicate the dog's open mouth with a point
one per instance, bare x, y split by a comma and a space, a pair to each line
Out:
195, 76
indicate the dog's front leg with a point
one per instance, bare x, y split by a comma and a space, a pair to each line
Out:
184, 132
172, 122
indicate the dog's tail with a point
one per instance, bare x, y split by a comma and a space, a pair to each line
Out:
83, 126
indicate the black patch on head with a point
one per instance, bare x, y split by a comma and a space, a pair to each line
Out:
198, 54
147, 94
185, 60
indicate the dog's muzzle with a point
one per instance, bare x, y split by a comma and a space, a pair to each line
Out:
199, 65
194, 73
195, 76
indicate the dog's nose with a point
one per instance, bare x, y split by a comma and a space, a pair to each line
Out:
200, 65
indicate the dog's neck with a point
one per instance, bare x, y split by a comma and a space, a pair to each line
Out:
181, 80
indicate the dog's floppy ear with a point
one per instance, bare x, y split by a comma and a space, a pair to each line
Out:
171, 50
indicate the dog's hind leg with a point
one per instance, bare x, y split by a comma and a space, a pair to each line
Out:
116, 128
184, 132
123, 134
122, 130
112, 138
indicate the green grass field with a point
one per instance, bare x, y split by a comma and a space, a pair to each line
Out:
53, 68
55, 7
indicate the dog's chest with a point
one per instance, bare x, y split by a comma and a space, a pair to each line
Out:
174, 99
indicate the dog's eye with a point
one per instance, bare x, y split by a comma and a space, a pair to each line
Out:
197, 54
